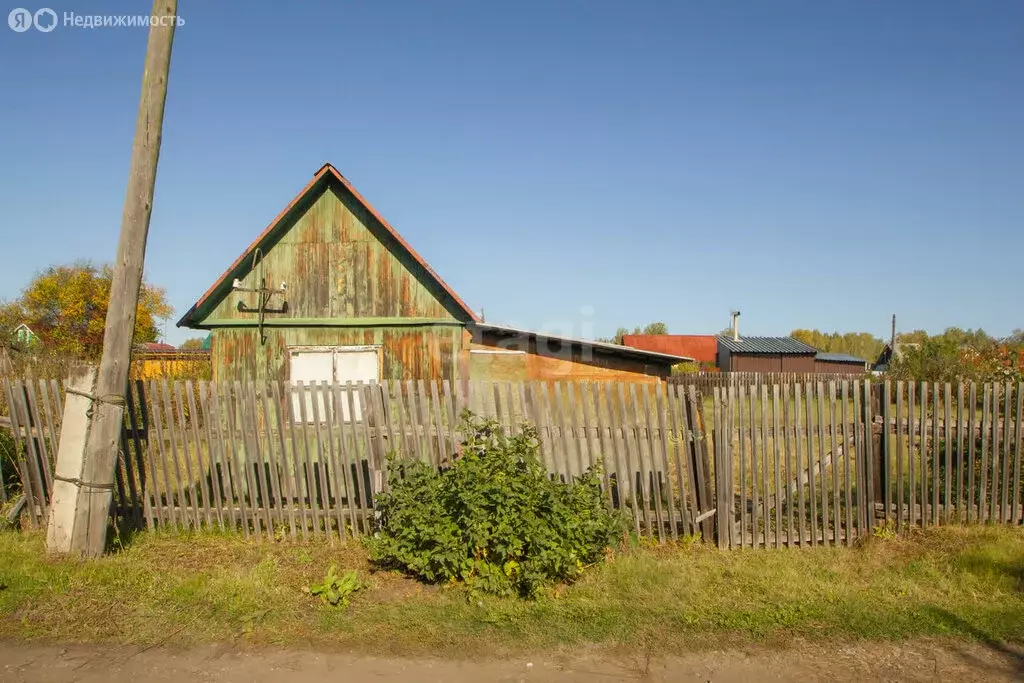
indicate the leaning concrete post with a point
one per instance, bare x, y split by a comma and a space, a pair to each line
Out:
69, 503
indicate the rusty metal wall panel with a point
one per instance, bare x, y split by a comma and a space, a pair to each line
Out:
406, 352
552, 361
339, 262
839, 368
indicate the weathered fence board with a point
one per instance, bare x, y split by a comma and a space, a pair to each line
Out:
803, 463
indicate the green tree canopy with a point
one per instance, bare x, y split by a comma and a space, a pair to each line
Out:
861, 344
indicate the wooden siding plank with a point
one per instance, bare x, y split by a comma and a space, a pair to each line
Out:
453, 425
776, 461
822, 472
687, 488
574, 433
546, 429
616, 400
252, 459
1018, 517
319, 488
813, 499
741, 407
1004, 460
985, 429
698, 428
792, 473
186, 445
225, 507
755, 429
661, 405
276, 453
423, 414
360, 479
305, 461
844, 394
562, 443
900, 491
20, 445
834, 443
346, 459
971, 442
633, 441
936, 454
924, 454
651, 478
435, 403
143, 459
156, 420
190, 392
335, 478
370, 486
947, 435
960, 461
289, 461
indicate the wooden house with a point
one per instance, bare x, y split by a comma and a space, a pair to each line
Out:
765, 354
330, 291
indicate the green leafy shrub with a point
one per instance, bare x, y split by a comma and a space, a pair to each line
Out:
336, 590
492, 518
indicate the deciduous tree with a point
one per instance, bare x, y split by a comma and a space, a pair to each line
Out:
66, 307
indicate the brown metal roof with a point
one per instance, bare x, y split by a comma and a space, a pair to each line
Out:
327, 173
603, 347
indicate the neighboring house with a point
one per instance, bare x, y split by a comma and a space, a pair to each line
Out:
839, 364
703, 348
330, 291
23, 335
765, 354
890, 351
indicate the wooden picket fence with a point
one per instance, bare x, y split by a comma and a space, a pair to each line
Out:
790, 464
707, 382
828, 462
276, 458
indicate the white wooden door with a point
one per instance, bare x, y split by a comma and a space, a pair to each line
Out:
340, 364
355, 364
310, 366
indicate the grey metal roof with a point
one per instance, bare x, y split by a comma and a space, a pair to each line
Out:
839, 358
772, 345
604, 347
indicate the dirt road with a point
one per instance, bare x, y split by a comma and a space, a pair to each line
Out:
921, 661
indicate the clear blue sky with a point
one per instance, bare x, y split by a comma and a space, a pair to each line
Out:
574, 166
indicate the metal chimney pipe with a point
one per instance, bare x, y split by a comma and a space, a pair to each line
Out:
735, 326
892, 341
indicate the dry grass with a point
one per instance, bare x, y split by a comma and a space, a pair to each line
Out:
187, 589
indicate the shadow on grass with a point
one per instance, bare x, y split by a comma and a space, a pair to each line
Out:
1011, 654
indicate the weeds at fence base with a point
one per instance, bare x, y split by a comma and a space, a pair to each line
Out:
954, 582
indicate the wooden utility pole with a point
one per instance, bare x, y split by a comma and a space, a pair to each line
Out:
80, 525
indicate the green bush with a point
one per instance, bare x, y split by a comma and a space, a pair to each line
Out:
492, 518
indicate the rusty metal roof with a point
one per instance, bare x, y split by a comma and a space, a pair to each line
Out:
326, 174
767, 345
701, 347
603, 347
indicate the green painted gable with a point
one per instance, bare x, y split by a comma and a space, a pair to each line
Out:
339, 263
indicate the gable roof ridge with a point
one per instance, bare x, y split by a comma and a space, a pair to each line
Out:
326, 171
